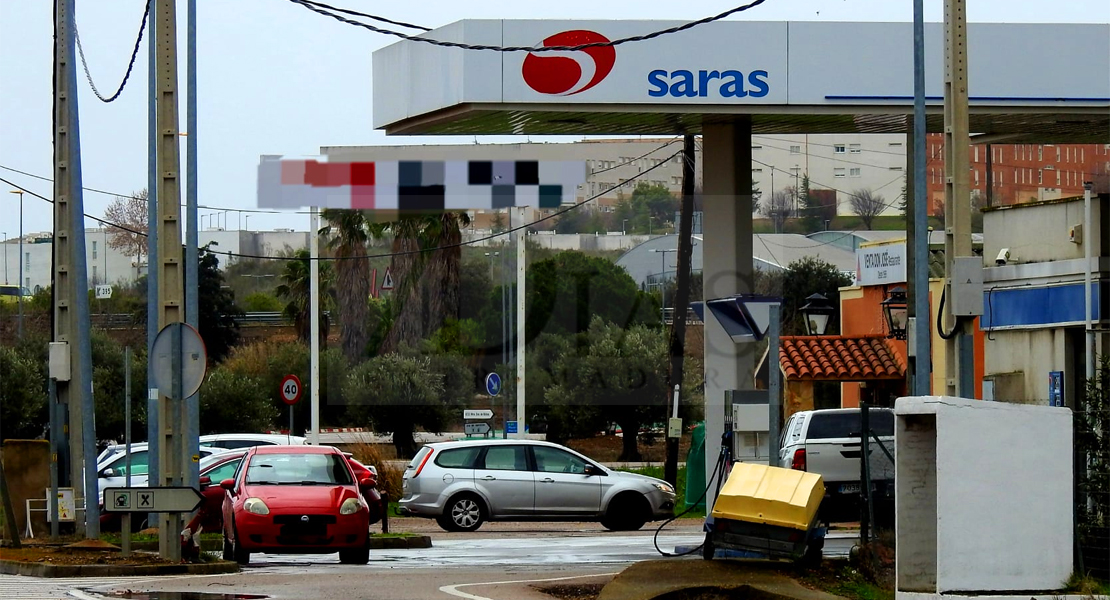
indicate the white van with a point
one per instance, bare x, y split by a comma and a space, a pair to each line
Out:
827, 442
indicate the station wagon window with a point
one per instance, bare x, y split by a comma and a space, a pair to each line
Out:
459, 458
506, 458
553, 460
138, 464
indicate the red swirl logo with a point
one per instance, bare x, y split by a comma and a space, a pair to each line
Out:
563, 73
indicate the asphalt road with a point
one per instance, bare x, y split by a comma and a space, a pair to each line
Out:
500, 561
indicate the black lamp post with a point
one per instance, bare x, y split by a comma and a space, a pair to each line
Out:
894, 309
817, 312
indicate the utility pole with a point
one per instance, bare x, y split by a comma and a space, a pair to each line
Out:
521, 242
682, 300
923, 343
959, 355
191, 469
152, 318
172, 415
70, 281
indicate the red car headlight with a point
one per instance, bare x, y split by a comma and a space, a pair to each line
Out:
351, 506
256, 506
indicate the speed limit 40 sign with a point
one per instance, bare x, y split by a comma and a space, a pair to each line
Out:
290, 389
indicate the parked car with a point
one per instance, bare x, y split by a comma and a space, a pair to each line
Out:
295, 499
111, 467
464, 484
246, 440
827, 442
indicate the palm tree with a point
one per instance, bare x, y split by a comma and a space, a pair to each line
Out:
294, 288
428, 282
348, 236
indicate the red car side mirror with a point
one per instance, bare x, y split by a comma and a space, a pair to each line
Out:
229, 485
205, 481
368, 482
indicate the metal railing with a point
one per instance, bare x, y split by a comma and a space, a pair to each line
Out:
129, 320
691, 317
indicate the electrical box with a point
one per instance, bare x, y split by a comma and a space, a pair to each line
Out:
749, 412
967, 286
1075, 234
59, 361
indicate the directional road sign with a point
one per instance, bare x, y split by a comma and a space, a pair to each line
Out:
493, 384
103, 292
291, 389
477, 414
476, 428
152, 499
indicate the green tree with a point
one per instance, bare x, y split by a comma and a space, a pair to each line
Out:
295, 290
348, 235
216, 308
262, 302
566, 291
498, 222
109, 386
811, 219
397, 393
236, 402
23, 409
616, 375
655, 204
803, 278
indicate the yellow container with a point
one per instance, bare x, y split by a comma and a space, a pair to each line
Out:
770, 495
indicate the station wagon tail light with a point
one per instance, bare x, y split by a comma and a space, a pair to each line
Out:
799, 462
422, 463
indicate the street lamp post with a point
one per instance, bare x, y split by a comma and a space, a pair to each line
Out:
19, 285
663, 282
247, 220
624, 230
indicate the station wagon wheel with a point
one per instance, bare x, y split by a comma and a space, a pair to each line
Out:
464, 512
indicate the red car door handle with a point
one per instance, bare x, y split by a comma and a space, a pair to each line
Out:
489, 478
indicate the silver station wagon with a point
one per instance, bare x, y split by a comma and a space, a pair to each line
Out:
464, 484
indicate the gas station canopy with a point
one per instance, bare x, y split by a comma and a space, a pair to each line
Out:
1031, 83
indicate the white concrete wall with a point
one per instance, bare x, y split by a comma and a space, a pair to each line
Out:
1033, 353
1003, 495
1038, 232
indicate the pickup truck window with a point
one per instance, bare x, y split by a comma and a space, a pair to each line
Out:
842, 425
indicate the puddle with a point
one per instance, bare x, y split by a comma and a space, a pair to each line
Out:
130, 595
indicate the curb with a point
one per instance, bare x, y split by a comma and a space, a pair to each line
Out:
411, 542
15, 567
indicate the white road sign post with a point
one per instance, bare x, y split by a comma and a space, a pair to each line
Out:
152, 499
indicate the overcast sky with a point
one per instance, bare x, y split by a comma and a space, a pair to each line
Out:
277, 79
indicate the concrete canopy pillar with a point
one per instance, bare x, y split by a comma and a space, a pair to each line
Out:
727, 269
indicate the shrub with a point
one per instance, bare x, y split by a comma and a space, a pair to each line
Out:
262, 302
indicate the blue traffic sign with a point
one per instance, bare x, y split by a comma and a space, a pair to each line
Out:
510, 427
493, 384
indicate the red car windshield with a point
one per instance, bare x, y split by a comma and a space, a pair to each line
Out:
298, 469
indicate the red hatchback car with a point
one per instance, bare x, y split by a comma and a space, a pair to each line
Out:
295, 499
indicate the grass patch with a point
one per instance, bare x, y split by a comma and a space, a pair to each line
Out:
840, 578
117, 539
656, 471
1086, 585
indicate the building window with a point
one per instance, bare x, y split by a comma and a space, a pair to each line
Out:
757, 170
895, 168
1057, 178
94, 249
976, 176
795, 149
27, 260
755, 147
1057, 154
1040, 152
838, 172
976, 159
895, 144
854, 148
838, 148
855, 172
94, 272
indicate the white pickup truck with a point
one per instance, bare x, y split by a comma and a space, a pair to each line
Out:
827, 442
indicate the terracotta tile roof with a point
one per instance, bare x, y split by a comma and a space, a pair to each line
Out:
840, 358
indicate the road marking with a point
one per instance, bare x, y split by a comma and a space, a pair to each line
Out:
453, 590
